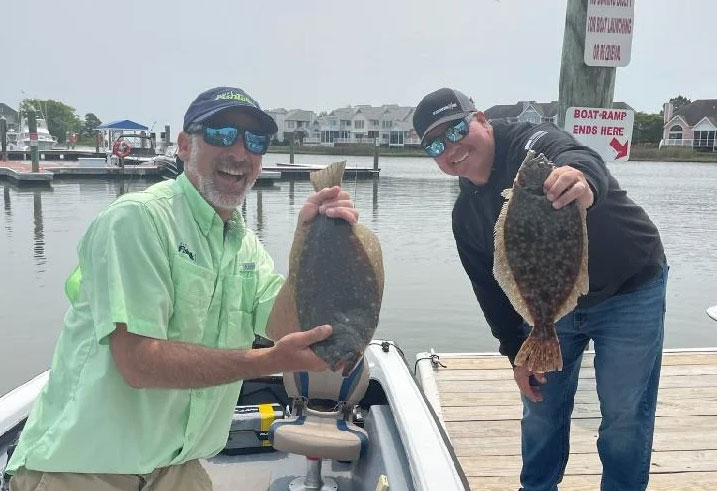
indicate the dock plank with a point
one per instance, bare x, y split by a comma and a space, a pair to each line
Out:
481, 409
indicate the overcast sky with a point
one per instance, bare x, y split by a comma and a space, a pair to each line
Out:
146, 60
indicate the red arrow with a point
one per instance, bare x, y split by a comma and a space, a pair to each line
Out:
620, 149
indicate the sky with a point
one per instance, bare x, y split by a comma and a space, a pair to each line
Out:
147, 60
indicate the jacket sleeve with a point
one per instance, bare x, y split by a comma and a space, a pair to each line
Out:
563, 149
505, 323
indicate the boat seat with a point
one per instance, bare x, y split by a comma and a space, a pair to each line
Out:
321, 426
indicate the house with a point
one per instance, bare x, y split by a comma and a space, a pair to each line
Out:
11, 116
692, 125
533, 112
279, 117
389, 124
298, 122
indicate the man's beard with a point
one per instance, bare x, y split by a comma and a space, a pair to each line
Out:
207, 187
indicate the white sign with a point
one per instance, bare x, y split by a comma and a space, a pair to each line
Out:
608, 32
607, 131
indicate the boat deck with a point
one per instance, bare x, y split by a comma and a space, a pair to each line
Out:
481, 408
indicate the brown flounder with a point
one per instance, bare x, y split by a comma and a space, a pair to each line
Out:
336, 276
541, 261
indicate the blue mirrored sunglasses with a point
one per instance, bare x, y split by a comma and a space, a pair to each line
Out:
226, 136
437, 146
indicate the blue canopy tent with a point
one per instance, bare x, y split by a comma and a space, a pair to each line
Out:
124, 124
114, 130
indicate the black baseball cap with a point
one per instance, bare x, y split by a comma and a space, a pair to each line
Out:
213, 101
439, 107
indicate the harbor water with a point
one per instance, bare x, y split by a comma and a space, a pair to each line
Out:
428, 300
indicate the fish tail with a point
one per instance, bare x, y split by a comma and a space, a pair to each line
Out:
541, 351
329, 176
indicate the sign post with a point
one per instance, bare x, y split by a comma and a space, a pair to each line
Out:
607, 131
608, 32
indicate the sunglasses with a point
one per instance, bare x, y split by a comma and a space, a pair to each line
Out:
226, 136
437, 146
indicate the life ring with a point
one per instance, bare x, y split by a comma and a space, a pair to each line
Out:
73, 137
121, 148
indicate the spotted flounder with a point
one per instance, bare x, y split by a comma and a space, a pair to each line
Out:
336, 276
541, 261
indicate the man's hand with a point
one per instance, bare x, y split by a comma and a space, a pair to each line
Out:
522, 378
293, 353
332, 202
567, 184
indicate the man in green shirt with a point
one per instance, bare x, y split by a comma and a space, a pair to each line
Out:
169, 292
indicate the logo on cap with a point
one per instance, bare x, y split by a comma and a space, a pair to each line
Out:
235, 96
445, 108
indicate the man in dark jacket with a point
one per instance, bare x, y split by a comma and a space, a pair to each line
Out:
623, 313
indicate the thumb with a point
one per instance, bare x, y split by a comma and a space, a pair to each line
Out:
317, 334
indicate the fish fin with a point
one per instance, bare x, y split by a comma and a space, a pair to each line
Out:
541, 354
507, 193
329, 176
502, 271
372, 247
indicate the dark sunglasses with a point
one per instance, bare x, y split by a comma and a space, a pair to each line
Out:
226, 136
437, 146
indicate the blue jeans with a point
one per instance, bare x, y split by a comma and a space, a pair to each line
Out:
627, 332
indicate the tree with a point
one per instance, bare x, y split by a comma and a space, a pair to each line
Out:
91, 122
647, 128
60, 117
678, 102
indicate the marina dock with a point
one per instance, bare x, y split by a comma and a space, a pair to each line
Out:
479, 403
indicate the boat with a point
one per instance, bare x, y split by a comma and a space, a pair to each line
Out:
712, 312
20, 140
381, 433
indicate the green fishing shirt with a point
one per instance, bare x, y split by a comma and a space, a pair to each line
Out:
164, 263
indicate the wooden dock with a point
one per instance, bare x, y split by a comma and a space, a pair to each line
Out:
479, 403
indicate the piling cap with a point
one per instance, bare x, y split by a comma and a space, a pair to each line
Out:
213, 101
439, 107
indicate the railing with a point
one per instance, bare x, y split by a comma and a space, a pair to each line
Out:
690, 142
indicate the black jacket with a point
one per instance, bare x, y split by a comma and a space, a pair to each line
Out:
625, 249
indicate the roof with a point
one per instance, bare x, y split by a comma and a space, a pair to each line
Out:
693, 112
545, 109
7, 111
124, 124
299, 115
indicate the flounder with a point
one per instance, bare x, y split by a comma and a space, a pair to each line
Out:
336, 276
541, 261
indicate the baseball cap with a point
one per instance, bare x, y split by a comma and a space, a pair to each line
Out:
439, 107
213, 101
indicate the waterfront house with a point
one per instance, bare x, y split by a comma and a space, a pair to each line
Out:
533, 112
692, 125
10, 115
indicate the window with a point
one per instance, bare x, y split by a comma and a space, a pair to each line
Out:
675, 132
386, 124
290, 124
374, 123
358, 124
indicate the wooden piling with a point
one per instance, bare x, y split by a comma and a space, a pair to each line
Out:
581, 85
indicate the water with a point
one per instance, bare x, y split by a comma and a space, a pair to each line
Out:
428, 301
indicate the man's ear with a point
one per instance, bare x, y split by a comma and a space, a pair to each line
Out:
480, 116
184, 146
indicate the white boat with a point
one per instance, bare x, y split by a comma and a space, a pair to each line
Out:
385, 435
20, 140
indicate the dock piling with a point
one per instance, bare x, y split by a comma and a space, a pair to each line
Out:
3, 139
291, 148
34, 150
375, 154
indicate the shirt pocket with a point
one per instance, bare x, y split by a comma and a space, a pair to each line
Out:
240, 295
193, 290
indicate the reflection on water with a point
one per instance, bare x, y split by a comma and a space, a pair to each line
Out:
38, 235
428, 301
